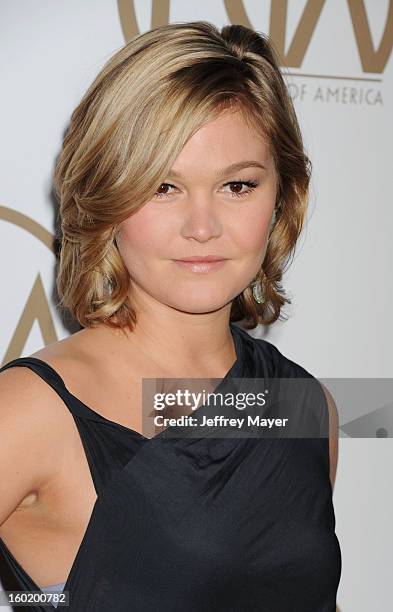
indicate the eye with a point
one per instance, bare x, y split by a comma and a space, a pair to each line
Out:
163, 195
251, 185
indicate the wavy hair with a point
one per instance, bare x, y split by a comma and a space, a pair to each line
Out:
127, 131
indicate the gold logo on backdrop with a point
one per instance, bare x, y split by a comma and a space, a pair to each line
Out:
372, 60
37, 305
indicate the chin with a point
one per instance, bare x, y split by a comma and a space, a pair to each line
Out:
198, 305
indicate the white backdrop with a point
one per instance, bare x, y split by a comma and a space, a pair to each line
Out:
340, 76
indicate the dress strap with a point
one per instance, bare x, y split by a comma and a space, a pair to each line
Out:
106, 451
43, 369
53, 378
76, 408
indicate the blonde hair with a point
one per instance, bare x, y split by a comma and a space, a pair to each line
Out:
127, 131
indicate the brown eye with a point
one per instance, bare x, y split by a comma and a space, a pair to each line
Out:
159, 194
238, 193
239, 184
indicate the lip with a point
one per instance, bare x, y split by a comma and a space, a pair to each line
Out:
200, 265
206, 258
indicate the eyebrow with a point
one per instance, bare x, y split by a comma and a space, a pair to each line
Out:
228, 170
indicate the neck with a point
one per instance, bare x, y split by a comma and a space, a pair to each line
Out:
179, 344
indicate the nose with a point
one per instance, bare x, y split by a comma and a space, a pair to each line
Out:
201, 219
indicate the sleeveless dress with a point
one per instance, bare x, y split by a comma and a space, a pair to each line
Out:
201, 524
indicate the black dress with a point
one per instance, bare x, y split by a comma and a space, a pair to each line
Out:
201, 524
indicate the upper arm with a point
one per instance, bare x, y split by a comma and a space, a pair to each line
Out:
333, 433
29, 437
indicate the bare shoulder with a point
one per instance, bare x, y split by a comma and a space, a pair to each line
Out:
67, 348
333, 433
32, 436
37, 429
76, 359
26, 397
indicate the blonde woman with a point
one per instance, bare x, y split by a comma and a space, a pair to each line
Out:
183, 185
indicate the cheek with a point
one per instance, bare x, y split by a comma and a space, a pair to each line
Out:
251, 231
141, 237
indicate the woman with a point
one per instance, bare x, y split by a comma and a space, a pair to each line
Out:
185, 147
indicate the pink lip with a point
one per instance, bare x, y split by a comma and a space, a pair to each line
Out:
207, 258
200, 265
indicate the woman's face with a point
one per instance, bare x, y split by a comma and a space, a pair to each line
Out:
200, 213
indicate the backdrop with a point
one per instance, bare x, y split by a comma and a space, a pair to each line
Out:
336, 56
